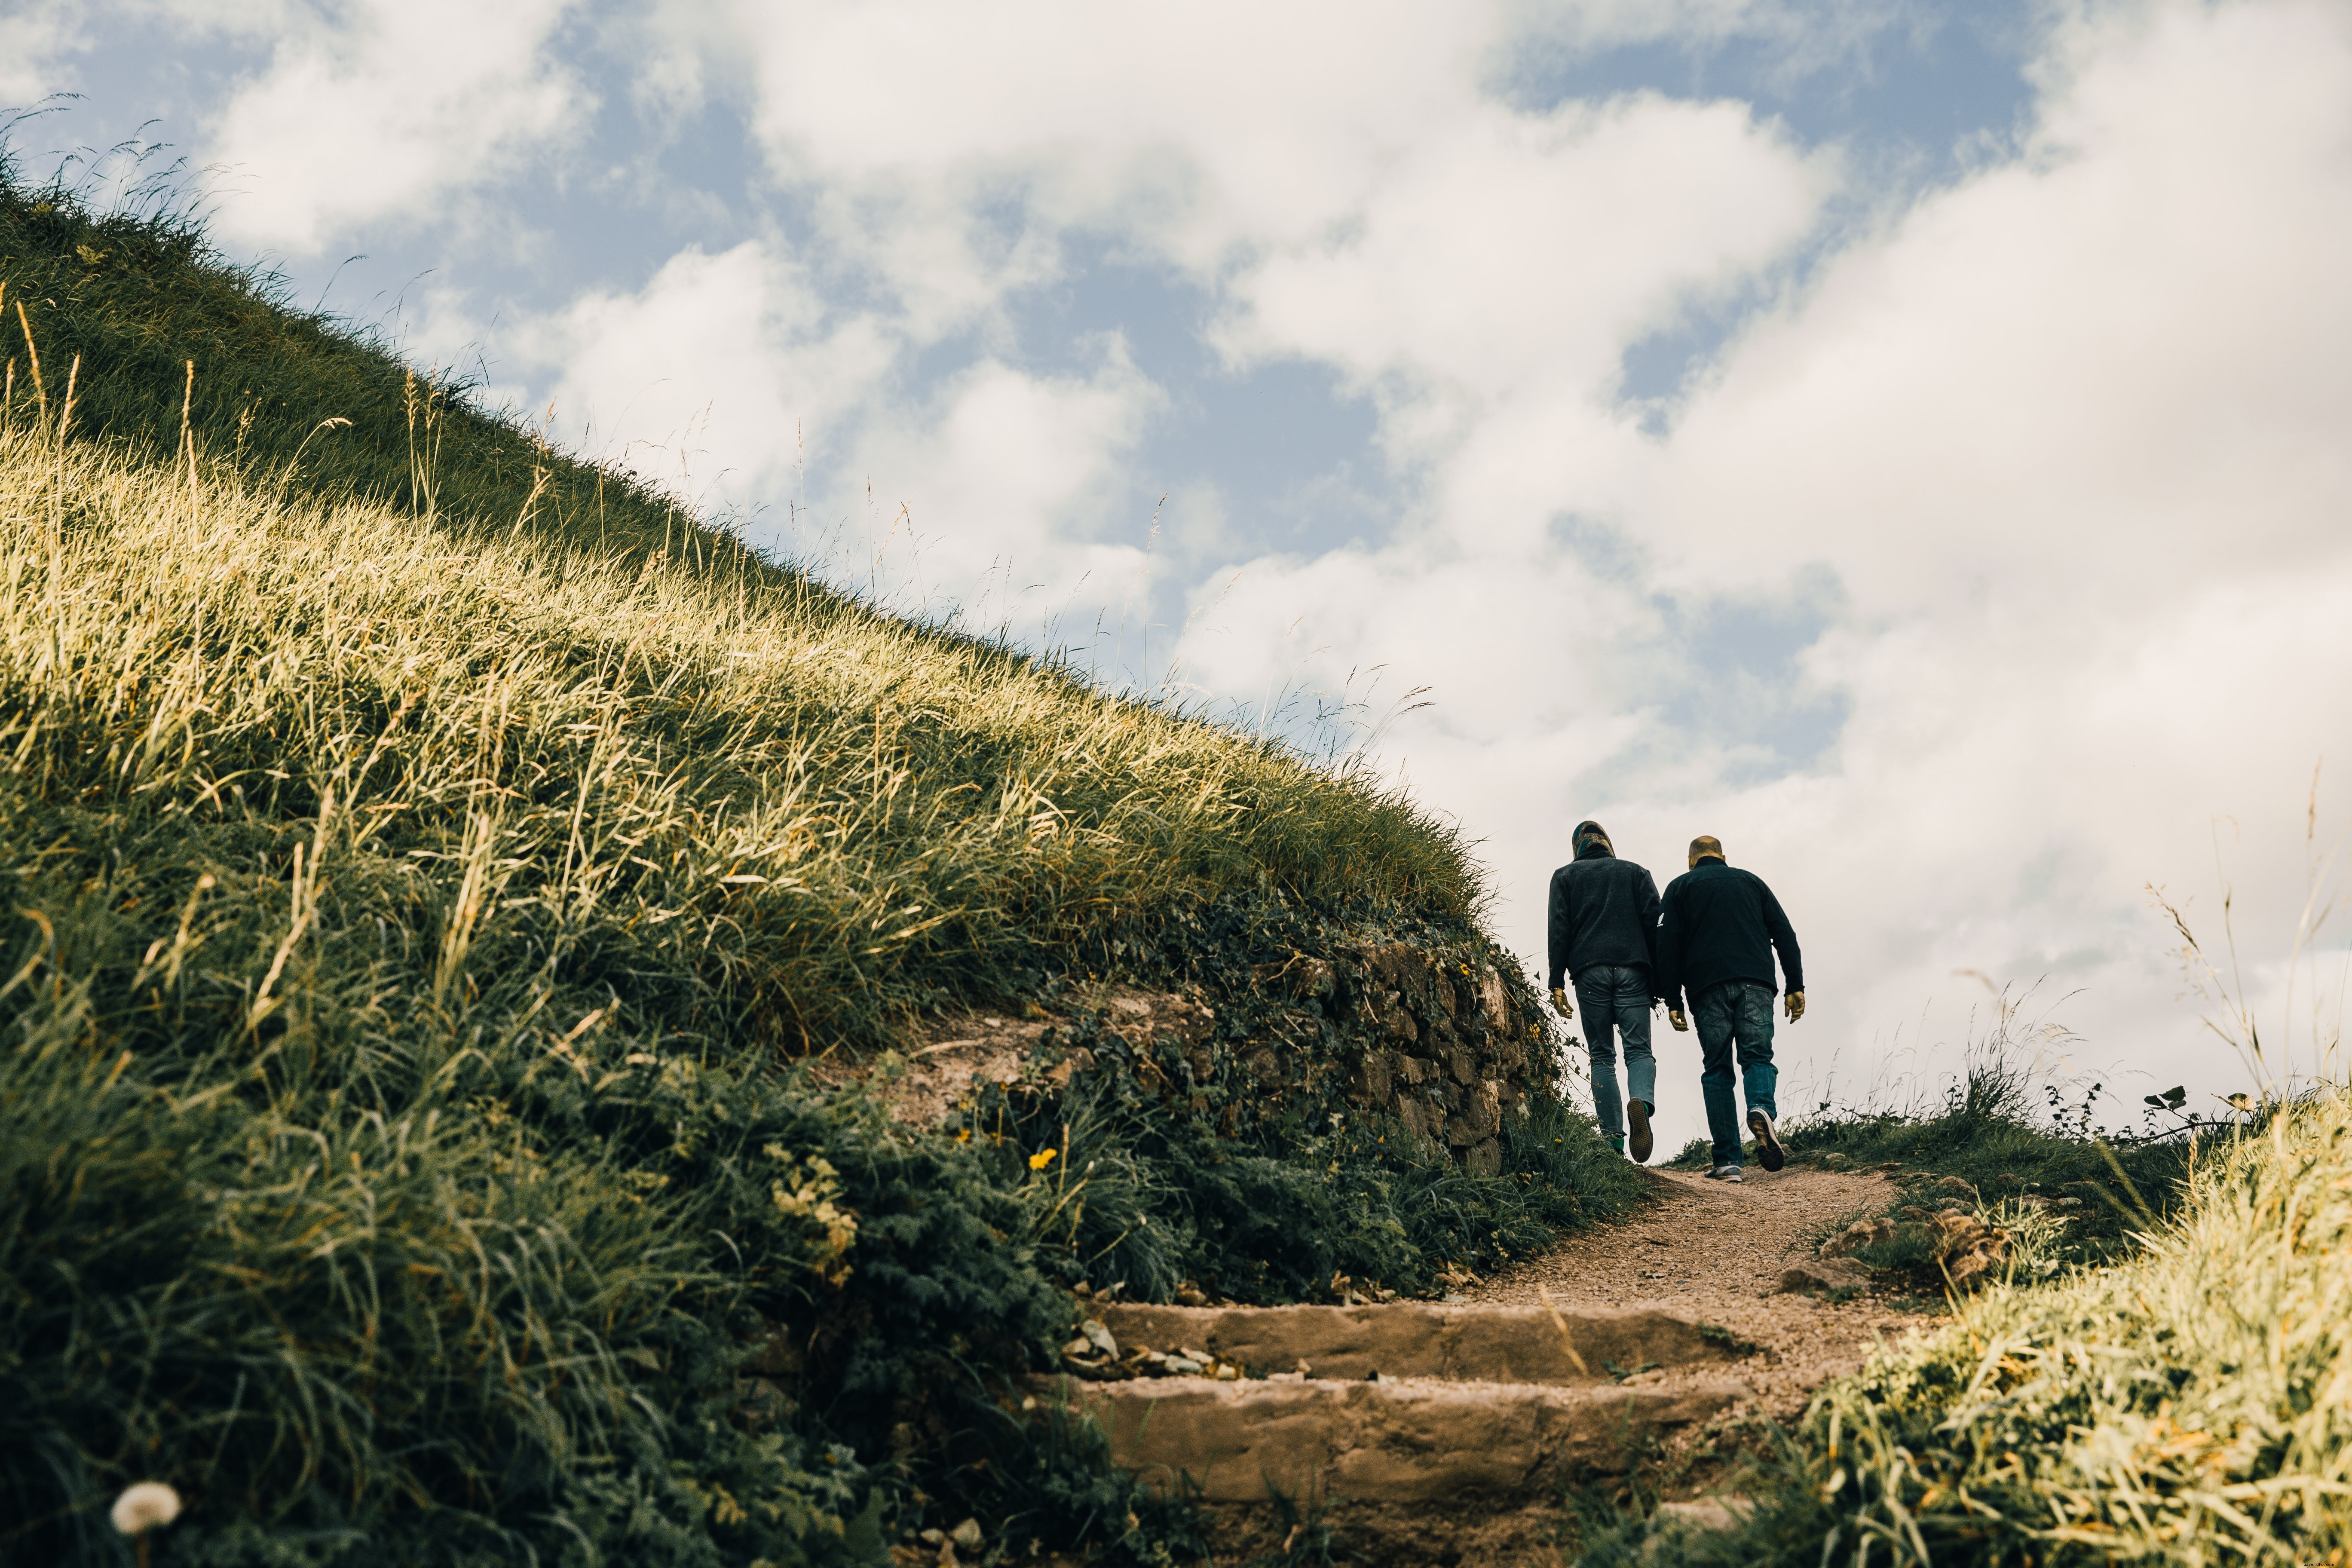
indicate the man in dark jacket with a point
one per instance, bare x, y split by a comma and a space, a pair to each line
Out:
1604, 933
1716, 942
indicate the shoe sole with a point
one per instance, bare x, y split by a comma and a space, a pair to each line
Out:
1643, 1142
1769, 1152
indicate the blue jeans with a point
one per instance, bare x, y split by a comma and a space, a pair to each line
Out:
1616, 1000
1738, 1014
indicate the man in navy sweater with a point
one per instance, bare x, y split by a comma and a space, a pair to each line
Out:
1720, 928
1604, 933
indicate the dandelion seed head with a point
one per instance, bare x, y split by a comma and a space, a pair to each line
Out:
142, 1505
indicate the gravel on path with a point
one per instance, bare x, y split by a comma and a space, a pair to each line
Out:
1714, 1251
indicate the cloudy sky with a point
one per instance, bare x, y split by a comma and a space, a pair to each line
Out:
1906, 440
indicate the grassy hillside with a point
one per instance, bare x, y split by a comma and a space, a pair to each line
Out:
424, 891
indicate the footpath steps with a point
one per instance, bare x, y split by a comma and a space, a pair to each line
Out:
1482, 1408
1414, 1339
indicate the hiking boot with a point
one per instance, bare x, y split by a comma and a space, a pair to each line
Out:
1769, 1152
1643, 1142
1725, 1174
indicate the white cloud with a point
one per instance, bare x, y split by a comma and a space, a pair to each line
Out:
1523, 250
382, 109
719, 377
954, 149
40, 35
728, 376
1489, 284
2068, 433
2070, 371
1003, 483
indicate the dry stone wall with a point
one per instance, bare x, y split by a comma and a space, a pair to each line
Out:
1434, 1038
1433, 1044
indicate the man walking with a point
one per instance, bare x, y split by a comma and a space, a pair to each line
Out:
1604, 933
1719, 932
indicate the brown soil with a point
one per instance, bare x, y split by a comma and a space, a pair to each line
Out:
942, 1060
1716, 1252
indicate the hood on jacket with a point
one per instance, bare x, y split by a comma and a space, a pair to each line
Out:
1591, 839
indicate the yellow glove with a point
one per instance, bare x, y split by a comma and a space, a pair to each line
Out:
1795, 1002
1681, 1023
1559, 1004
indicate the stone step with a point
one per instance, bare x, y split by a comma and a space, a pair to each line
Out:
1417, 1339
1314, 1440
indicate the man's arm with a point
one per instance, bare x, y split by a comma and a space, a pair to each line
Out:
1649, 903
1668, 976
1784, 942
1557, 929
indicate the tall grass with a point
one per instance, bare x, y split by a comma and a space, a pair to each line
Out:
1992, 1130
700, 792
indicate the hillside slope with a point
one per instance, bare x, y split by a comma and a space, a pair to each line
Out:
438, 927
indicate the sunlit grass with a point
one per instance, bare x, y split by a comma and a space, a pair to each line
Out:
789, 808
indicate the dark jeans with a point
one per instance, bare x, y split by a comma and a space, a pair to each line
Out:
1734, 1018
1616, 1001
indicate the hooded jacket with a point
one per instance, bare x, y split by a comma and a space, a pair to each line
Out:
1603, 910
1722, 923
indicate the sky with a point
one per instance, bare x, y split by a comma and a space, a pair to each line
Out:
1907, 441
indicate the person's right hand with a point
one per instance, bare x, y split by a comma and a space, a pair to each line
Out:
1559, 1004
1681, 1023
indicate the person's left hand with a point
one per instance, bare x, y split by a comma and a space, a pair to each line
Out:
1559, 1004
1795, 1001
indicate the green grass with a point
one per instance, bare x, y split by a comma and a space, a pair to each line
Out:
1988, 1133
2187, 1404
420, 900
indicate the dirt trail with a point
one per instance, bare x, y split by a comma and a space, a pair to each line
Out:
1444, 1432
1717, 1251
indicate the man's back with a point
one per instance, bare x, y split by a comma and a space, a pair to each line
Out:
1722, 923
1603, 910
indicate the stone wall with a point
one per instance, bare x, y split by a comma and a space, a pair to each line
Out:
1433, 1037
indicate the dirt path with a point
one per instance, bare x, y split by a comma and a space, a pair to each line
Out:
1717, 1251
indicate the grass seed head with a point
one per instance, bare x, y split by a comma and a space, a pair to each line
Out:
143, 1506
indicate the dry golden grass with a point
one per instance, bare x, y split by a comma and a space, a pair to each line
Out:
802, 811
